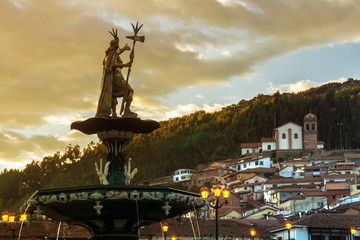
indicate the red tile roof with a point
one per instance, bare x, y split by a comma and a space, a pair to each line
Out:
227, 228
46, 229
329, 220
250, 145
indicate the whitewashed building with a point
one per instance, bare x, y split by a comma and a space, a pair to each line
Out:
182, 175
289, 136
255, 162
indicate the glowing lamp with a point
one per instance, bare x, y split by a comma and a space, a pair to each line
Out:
5, 217
11, 218
226, 192
217, 191
252, 232
23, 217
165, 227
352, 230
288, 225
204, 192
173, 238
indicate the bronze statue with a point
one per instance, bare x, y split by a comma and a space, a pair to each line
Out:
113, 83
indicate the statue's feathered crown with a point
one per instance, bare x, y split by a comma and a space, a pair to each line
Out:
116, 38
114, 33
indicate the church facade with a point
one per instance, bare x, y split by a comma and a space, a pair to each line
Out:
288, 137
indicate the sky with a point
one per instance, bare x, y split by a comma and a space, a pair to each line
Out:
197, 55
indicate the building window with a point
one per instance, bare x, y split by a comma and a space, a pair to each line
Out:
283, 136
256, 163
296, 136
244, 165
247, 151
313, 127
269, 147
261, 163
307, 127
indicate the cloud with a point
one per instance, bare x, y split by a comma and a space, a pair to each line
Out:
52, 50
17, 149
299, 86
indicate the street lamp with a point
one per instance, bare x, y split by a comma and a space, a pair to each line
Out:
352, 231
10, 220
173, 238
217, 193
288, 226
165, 228
252, 233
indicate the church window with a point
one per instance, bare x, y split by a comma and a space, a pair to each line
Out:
269, 147
283, 136
307, 127
296, 136
313, 127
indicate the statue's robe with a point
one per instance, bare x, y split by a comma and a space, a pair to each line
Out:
106, 92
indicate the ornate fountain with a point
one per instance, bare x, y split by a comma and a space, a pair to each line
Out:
115, 210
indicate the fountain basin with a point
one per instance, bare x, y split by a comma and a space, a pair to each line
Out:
114, 212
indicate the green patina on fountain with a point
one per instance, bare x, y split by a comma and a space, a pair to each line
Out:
115, 210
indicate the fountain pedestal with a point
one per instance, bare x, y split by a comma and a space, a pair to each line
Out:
115, 133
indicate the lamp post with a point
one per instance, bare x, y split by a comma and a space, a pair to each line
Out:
173, 238
165, 228
340, 125
352, 231
217, 193
346, 140
252, 233
9, 219
288, 226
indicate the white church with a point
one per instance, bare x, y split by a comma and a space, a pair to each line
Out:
288, 137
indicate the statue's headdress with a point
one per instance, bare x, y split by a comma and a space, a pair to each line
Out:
116, 38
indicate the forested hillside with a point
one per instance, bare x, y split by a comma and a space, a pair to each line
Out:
204, 137
200, 137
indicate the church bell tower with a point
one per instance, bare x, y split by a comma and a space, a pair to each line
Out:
310, 132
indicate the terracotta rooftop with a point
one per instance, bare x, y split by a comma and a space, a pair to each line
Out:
46, 229
344, 207
337, 185
265, 223
292, 180
352, 155
329, 220
337, 176
315, 167
227, 228
298, 190
250, 145
259, 170
267, 140
295, 161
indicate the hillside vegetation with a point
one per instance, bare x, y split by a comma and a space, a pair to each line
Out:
200, 137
